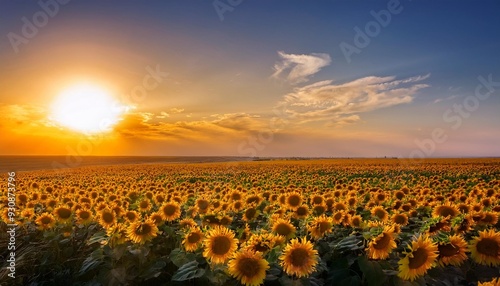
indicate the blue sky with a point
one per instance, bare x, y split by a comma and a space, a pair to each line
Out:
229, 75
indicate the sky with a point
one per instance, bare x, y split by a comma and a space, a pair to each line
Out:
250, 78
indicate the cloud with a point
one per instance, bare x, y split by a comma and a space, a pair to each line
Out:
297, 68
341, 103
163, 114
445, 99
224, 126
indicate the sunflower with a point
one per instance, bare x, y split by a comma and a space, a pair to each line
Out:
381, 246
83, 216
117, 235
293, 200
400, 219
142, 231
250, 214
299, 258
63, 214
132, 216
380, 213
248, 267
170, 211
45, 221
320, 226
192, 239
452, 252
107, 218
219, 244
494, 282
261, 243
301, 212
485, 249
420, 258
187, 222
144, 205
156, 217
445, 210
338, 217
284, 228
356, 221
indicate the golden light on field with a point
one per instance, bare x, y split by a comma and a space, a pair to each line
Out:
86, 108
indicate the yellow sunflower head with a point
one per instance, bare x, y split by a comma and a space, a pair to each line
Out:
142, 231
485, 248
299, 258
45, 221
283, 227
420, 258
219, 244
248, 267
192, 239
320, 226
381, 246
452, 251
170, 211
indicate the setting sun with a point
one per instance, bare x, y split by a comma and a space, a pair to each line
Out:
86, 108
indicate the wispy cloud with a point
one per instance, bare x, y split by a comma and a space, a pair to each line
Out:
223, 126
341, 103
297, 68
445, 99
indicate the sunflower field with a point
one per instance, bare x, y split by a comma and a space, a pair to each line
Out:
289, 222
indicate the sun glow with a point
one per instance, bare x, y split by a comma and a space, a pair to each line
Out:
87, 108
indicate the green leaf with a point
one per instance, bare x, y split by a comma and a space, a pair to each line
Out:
180, 257
372, 271
188, 271
97, 237
93, 261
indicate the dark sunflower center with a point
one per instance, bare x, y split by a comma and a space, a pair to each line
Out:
283, 229
293, 200
193, 237
202, 204
380, 213
419, 258
382, 242
261, 247
400, 219
143, 229
46, 220
299, 257
323, 226
318, 210
144, 204
108, 217
131, 216
249, 267
84, 215
337, 216
64, 213
301, 211
447, 250
169, 210
488, 247
221, 245
445, 211
250, 213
